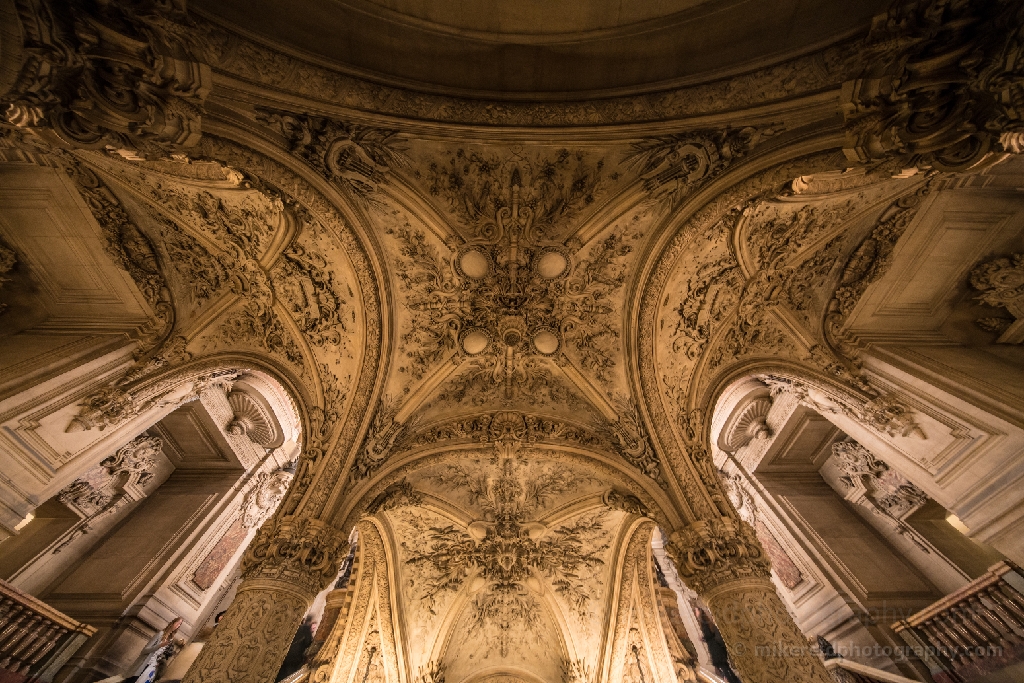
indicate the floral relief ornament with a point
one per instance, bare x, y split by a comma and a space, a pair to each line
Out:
512, 295
1001, 283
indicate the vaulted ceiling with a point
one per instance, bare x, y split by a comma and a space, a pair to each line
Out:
505, 315
529, 49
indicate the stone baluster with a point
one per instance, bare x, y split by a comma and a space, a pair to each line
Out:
976, 629
25, 636
723, 561
43, 645
35, 639
12, 632
288, 563
987, 614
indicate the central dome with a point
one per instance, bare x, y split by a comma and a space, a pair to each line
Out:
526, 20
543, 50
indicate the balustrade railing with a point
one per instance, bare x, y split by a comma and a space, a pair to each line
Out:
973, 631
843, 671
35, 639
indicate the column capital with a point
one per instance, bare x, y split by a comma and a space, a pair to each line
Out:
302, 553
712, 552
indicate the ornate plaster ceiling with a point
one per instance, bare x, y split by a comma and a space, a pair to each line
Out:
504, 324
532, 48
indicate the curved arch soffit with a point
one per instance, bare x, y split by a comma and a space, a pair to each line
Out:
769, 168
659, 506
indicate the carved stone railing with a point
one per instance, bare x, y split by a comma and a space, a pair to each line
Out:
35, 639
843, 671
973, 631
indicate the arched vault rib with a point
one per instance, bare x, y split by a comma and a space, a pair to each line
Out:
335, 426
678, 430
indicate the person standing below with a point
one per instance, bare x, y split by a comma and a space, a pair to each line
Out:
158, 650
716, 646
296, 656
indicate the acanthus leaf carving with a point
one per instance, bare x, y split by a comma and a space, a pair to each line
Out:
306, 553
712, 552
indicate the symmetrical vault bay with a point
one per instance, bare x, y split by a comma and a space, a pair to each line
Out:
521, 359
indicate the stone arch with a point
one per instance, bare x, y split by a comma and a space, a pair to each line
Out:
706, 208
349, 224
387, 483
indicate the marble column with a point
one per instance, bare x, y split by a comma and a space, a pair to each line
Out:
289, 562
722, 560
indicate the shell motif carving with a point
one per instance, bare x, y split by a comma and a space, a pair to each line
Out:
251, 419
749, 422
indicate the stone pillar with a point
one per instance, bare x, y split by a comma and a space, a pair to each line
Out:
289, 562
723, 561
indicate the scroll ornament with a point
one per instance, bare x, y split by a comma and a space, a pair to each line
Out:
123, 74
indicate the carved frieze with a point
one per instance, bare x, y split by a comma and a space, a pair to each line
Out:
883, 413
120, 74
106, 488
865, 475
103, 487
123, 400
243, 57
